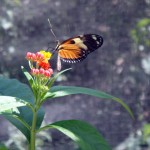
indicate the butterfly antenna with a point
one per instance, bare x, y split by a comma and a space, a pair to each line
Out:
51, 29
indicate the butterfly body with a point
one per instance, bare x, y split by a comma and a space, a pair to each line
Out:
76, 49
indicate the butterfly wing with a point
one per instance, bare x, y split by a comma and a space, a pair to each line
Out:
76, 49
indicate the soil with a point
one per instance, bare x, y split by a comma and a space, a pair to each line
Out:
114, 68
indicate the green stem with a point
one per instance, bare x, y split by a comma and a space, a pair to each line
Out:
33, 130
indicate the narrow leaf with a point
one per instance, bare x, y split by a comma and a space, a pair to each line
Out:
28, 76
85, 135
60, 91
56, 76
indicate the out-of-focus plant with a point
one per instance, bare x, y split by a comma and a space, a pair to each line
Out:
137, 141
3, 147
22, 106
146, 133
141, 34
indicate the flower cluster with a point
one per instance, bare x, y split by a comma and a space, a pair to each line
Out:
41, 67
41, 72
46, 73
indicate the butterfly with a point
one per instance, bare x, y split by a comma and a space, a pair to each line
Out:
76, 49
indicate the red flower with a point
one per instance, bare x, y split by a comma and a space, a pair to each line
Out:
44, 64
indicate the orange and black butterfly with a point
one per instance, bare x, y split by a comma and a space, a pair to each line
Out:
76, 49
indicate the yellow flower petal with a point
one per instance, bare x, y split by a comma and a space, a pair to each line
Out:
47, 55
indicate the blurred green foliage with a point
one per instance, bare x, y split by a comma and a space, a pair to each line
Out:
146, 131
12, 3
2, 147
141, 33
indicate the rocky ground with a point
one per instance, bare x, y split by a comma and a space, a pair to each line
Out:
116, 68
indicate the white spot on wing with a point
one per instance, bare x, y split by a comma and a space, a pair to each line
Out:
81, 36
97, 42
80, 43
94, 37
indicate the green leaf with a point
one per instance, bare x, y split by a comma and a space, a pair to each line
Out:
47, 95
8, 102
146, 130
19, 123
134, 35
60, 91
56, 76
85, 135
3, 147
143, 22
30, 79
14, 88
28, 76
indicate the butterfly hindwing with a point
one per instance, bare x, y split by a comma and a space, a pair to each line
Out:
76, 49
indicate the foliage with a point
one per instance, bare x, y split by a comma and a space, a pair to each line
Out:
141, 34
146, 131
3, 147
22, 106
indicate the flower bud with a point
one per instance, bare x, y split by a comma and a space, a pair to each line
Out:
33, 57
39, 56
34, 71
50, 70
47, 73
41, 71
28, 55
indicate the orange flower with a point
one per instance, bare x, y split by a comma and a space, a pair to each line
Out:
44, 64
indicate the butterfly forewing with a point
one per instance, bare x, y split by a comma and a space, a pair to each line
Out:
76, 49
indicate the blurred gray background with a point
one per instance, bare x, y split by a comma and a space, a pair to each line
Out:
121, 67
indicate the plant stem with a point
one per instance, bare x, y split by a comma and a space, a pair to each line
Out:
33, 130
